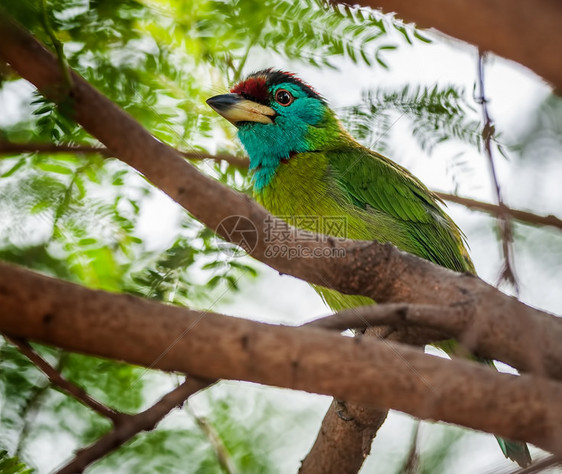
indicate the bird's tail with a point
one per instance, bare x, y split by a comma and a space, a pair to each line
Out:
516, 451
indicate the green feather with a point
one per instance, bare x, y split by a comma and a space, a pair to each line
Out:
379, 200
381, 185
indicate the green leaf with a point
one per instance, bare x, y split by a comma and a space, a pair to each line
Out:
12, 465
43, 110
418, 35
19, 164
54, 168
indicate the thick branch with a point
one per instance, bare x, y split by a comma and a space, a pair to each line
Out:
493, 25
144, 421
376, 270
213, 346
348, 429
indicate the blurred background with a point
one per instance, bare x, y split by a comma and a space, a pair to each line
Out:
411, 95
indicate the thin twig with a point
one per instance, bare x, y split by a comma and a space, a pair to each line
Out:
9, 148
59, 48
144, 421
31, 408
504, 222
525, 217
223, 456
66, 386
539, 465
522, 216
412, 462
15, 148
242, 63
388, 314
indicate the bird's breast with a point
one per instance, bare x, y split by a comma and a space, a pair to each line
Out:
301, 187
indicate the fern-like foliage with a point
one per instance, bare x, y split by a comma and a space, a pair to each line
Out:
436, 114
313, 31
320, 33
186, 272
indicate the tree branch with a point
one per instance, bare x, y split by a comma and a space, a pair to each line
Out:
412, 462
348, 430
223, 456
144, 421
395, 314
214, 346
31, 408
495, 210
493, 25
51, 148
66, 386
503, 220
540, 466
242, 163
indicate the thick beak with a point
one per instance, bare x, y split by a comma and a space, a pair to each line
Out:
234, 108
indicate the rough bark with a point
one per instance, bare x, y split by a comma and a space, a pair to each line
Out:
364, 370
347, 429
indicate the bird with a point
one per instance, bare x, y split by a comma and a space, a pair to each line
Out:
305, 164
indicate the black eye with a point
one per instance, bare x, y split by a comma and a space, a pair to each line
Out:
284, 97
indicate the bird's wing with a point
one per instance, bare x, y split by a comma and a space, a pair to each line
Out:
371, 180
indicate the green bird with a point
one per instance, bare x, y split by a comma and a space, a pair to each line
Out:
306, 165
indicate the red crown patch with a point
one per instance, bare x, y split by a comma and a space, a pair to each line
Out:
254, 87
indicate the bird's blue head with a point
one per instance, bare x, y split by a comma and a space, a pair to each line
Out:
277, 116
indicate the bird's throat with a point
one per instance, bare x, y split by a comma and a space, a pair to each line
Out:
264, 162
270, 145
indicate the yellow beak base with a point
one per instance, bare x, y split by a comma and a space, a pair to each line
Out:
235, 109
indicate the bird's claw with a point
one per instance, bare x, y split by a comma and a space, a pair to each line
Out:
342, 411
